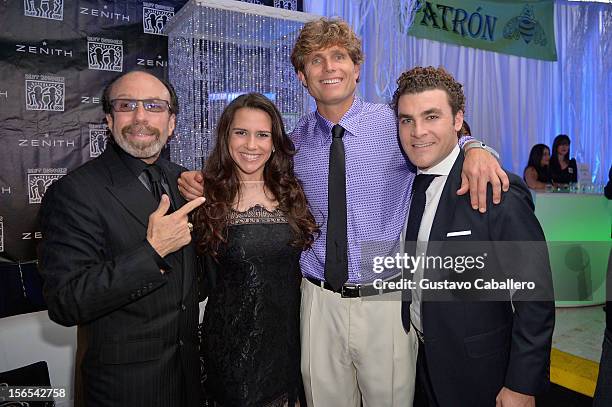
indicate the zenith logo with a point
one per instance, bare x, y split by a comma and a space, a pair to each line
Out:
90, 99
44, 50
159, 62
104, 13
31, 235
46, 141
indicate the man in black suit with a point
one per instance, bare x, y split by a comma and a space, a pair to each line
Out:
471, 352
117, 260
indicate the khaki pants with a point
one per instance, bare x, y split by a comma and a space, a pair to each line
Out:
355, 350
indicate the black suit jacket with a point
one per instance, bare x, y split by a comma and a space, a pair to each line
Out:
137, 328
474, 348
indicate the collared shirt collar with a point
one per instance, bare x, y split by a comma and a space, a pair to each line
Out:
135, 165
445, 166
350, 121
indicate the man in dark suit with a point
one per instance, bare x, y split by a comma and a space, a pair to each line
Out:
471, 352
117, 261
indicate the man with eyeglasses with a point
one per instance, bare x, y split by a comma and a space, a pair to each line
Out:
117, 260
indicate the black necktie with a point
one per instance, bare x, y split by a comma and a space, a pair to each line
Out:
336, 252
154, 174
417, 207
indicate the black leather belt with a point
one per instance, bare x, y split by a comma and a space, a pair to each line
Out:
350, 290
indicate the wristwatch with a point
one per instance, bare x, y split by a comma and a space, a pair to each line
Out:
479, 144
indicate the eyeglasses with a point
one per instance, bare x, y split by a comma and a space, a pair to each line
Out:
150, 105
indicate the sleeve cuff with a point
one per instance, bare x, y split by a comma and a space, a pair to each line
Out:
159, 260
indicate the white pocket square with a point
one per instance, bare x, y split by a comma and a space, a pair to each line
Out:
459, 233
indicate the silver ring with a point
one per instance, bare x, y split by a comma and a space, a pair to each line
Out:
190, 226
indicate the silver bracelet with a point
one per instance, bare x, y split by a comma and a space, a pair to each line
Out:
479, 144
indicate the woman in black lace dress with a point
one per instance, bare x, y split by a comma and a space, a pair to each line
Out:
563, 168
253, 227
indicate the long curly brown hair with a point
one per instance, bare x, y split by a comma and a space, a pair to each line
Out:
222, 182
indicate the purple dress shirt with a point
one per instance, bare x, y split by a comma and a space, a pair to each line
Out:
378, 184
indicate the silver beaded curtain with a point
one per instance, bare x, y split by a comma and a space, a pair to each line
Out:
219, 50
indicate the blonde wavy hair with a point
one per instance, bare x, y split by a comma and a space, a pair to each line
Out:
325, 33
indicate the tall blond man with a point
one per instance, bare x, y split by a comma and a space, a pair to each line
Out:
354, 350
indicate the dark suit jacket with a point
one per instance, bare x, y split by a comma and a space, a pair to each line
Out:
137, 335
474, 348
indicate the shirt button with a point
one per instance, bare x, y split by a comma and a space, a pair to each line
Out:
183, 307
181, 342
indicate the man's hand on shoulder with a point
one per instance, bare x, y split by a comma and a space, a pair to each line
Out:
169, 233
509, 398
190, 185
479, 169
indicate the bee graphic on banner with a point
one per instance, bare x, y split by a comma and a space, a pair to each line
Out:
526, 27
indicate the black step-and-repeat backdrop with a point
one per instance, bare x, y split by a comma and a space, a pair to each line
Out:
55, 58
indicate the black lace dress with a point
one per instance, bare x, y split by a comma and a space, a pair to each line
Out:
250, 333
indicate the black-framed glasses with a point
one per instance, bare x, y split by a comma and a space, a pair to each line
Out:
150, 105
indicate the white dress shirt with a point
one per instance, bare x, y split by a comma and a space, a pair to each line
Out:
432, 199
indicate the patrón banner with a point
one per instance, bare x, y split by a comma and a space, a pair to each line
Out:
523, 28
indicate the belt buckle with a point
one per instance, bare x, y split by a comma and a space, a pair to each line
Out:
349, 291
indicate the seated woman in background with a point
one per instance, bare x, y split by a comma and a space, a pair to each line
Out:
537, 174
252, 228
562, 168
